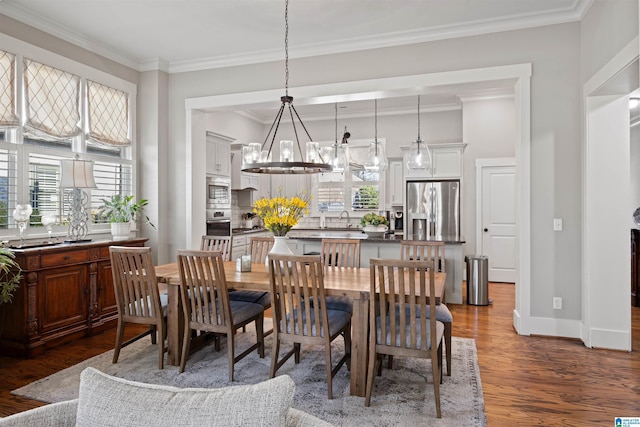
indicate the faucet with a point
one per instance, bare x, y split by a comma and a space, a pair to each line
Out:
348, 222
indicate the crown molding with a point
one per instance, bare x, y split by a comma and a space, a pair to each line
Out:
572, 13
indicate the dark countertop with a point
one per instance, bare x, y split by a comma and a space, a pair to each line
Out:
318, 234
241, 231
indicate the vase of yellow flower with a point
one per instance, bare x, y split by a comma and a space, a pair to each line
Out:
279, 215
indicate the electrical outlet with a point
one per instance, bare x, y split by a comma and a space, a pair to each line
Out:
557, 303
557, 224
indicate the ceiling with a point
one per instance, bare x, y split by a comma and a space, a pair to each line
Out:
188, 35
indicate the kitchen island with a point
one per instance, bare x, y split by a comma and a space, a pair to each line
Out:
307, 241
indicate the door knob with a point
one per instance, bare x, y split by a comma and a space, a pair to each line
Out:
486, 229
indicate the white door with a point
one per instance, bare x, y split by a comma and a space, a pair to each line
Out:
497, 218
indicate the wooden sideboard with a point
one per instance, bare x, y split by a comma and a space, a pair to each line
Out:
66, 293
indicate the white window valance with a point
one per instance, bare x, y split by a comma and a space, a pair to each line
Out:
108, 115
8, 115
52, 102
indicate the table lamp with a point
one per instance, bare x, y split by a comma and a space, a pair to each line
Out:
77, 175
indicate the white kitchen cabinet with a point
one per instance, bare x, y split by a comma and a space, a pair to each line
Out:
396, 184
218, 154
446, 162
242, 180
289, 185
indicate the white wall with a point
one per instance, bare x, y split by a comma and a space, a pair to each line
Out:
555, 124
489, 129
635, 169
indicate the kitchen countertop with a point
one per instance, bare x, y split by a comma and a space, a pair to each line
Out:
240, 231
351, 233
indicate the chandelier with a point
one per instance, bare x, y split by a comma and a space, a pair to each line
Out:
418, 157
257, 158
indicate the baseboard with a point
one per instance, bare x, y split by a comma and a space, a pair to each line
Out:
610, 339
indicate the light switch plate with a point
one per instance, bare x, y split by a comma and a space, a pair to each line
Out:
557, 224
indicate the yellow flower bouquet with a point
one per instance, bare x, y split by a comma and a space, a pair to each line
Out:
281, 213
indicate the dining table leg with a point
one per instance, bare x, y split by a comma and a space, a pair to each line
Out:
175, 324
359, 346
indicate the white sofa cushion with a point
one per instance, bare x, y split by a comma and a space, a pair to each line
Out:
109, 401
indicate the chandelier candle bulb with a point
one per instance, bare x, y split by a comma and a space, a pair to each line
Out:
286, 151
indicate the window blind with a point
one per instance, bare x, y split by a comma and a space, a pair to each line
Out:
8, 115
52, 102
108, 115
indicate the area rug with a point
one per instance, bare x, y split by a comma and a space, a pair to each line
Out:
402, 396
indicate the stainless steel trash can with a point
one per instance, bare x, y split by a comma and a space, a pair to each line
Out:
477, 280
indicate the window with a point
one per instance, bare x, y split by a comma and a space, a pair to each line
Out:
60, 113
357, 190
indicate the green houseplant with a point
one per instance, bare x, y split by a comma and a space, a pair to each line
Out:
9, 275
121, 211
374, 225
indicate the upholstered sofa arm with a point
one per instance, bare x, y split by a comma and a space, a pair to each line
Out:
296, 418
54, 415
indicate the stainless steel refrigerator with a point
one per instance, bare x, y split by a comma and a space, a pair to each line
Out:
432, 209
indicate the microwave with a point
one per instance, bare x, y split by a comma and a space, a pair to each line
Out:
218, 192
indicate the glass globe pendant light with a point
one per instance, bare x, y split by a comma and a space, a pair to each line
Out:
418, 157
338, 156
376, 157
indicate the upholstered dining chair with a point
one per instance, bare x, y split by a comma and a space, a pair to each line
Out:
259, 247
405, 330
295, 282
138, 297
207, 307
340, 253
434, 251
217, 243
223, 244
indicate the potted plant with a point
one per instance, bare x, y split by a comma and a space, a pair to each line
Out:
374, 225
9, 275
121, 211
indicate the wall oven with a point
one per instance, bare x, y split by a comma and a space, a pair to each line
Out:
219, 227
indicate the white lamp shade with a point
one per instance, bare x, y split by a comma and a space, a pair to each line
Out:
76, 174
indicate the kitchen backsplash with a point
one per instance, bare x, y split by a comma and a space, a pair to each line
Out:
305, 222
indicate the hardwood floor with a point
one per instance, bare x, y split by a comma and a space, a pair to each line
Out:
526, 380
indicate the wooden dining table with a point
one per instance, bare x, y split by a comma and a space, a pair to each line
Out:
349, 282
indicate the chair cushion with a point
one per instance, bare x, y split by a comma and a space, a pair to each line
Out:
164, 303
443, 314
109, 401
338, 303
256, 297
337, 320
407, 344
241, 311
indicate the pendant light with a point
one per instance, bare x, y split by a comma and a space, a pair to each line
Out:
418, 157
257, 159
338, 156
376, 158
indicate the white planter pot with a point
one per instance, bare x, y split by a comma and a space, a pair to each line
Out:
375, 230
120, 230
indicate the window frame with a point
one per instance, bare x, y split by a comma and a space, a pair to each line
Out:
350, 184
79, 144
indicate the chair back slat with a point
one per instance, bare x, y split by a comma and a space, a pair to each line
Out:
217, 243
398, 304
135, 283
417, 250
341, 252
296, 282
203, 289
260, 247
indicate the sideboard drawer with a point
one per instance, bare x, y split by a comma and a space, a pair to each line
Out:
64, 258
